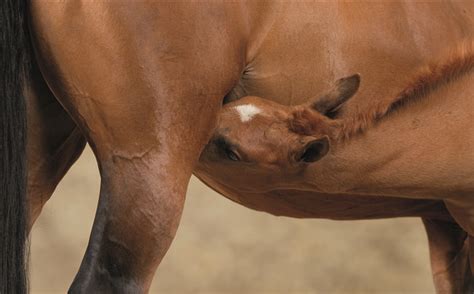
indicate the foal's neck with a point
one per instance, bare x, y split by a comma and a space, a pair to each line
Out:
424, 82
423, 150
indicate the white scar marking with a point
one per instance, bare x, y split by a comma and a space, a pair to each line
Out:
247, 111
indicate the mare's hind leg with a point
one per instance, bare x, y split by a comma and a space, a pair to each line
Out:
144, 81
449, 254
54, 144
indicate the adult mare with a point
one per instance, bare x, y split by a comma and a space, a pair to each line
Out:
142, 82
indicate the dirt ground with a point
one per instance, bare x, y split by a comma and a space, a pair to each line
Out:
222, 247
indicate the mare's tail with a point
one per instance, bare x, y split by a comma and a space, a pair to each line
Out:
14, 67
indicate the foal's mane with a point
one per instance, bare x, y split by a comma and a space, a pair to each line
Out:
424, 82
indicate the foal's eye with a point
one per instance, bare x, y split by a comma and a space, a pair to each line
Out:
231, 155
226, 148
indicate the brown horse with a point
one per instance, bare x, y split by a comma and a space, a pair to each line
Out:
142, 82
418, 144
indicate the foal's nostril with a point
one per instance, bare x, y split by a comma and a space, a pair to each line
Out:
314, 150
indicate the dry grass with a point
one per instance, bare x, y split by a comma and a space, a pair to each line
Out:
224, 248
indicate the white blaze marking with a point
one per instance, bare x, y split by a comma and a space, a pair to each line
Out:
247, 111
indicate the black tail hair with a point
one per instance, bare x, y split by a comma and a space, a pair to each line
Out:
14, 68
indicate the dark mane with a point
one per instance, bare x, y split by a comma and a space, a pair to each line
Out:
424, 82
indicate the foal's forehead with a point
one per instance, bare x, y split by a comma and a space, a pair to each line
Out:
247, 112
250, 107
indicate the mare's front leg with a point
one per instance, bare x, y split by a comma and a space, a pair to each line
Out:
449, 254
462, 209
144, 81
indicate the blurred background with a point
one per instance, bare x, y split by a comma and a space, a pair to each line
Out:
222, 247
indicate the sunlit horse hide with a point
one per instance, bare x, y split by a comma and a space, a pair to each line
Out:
417, 144
143, 82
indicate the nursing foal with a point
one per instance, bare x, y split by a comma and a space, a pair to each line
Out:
419, 144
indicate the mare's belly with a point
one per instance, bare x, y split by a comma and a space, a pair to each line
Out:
304, 47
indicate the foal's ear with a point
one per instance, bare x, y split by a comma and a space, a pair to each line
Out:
314, 150
343, 89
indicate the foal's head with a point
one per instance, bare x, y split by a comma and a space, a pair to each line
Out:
259, 139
